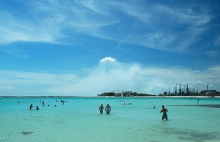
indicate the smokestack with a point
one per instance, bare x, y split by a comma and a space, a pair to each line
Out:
187, 89
169, 90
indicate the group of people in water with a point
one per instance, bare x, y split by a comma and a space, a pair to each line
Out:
107, 109
43, 104
31, 107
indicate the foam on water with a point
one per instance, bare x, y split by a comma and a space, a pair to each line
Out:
79, 120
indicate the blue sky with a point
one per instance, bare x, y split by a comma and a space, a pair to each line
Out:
84, 48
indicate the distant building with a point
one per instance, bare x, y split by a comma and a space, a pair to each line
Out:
117, 94
208, 92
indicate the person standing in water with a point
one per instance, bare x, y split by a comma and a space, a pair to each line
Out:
31, 106
101, 108
107, 109
164, 110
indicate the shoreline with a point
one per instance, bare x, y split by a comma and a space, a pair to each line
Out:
1, 97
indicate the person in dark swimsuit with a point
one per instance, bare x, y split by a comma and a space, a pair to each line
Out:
31, 106
101, 108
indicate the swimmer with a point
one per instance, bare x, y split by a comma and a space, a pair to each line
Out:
164, 110
62, 101
101, 108
127, 103
37, 108
31, 106
107, 109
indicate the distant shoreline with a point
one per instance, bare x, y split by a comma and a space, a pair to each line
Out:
108, 97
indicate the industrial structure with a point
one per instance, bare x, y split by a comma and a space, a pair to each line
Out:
187, 91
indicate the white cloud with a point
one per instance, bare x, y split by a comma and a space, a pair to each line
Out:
189, 37
137, 11
15, 29
109, 75
153, 40
17, 77
107, 59
95, 6
49, 21
194, 22
134, 77
186, 14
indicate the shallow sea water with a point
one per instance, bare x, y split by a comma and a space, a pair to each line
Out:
78, 120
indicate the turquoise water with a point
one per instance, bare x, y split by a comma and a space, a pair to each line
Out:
78, 120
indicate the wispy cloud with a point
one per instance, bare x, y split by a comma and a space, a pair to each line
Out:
48, 21
217, 41
212, 53
137, 11
17, 77
190, 15
111, 75
15, 52
154, 40
158, 26
188, 21
14, 29
165, 27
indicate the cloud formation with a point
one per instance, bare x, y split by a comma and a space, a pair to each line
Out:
109, 75
107, 59
159, 26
